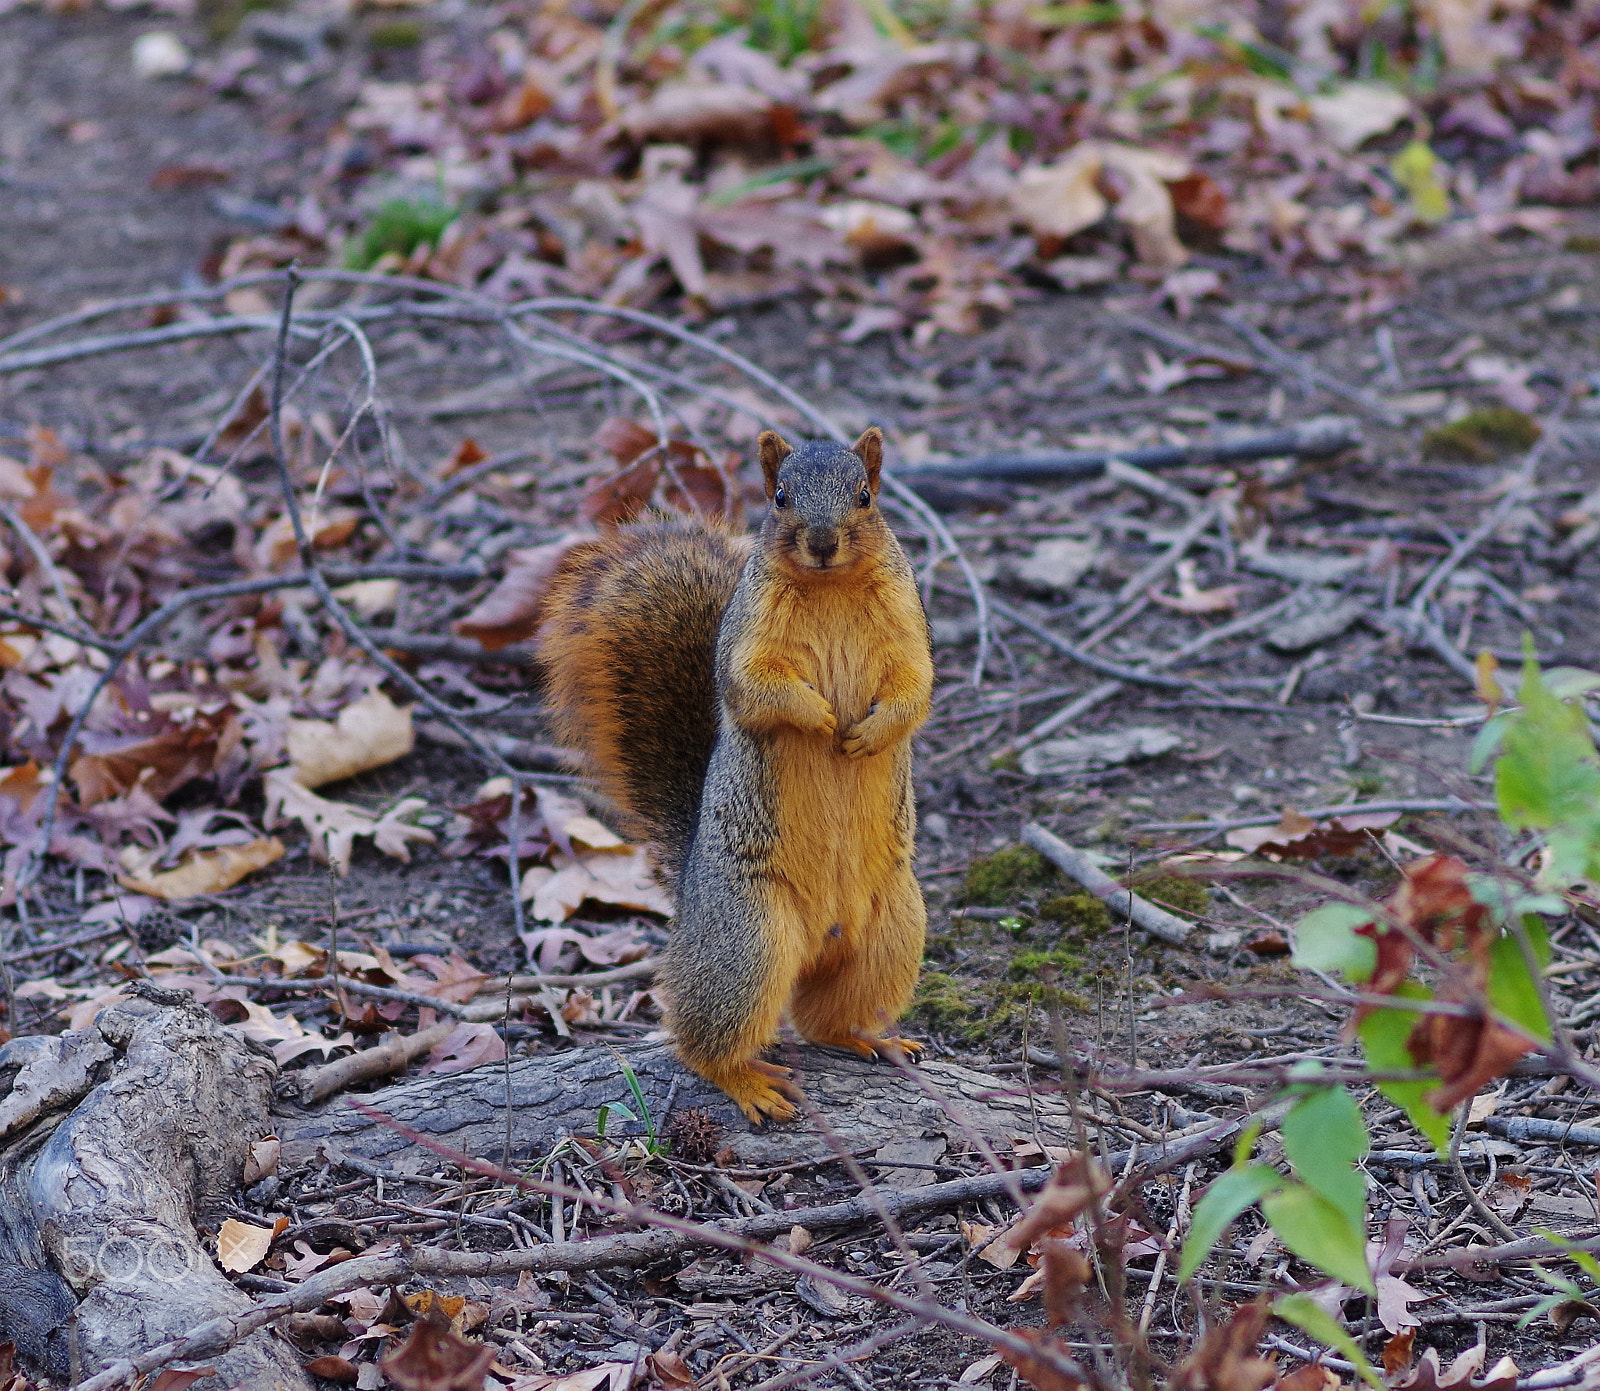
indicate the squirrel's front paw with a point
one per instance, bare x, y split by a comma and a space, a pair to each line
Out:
813, 713
866, 737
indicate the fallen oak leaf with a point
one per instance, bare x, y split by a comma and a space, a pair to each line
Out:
333, 826
627, 880
368, 733
208, 871
1191, 599
468, 1045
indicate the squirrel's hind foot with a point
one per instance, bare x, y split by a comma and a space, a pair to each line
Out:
762, 1090
868, 1046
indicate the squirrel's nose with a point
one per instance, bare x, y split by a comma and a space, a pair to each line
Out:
823, 545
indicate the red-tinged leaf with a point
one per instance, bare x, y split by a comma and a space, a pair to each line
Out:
1035, 1368
1066, 1276
1395, 955
1467, 1051
1225, 1359
1073, 1186
523, 105
1397, 1352
510, 611
172, 176
252, 413
621, 496
435, 1359
669, 1368
172, 1379
1436, 902
625, 440
45, 449
1299, 837
333, 1369
464, 455
1312, 1378
699, 488
1197, 199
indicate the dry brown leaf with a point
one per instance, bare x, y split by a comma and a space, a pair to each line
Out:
669, 1368
510, 611
333, 826
1225, 1360
369, 598
558, 889
262, 1160
242, 1247
435, 1359
208, 871
467, 1046
369, 733
697, 111
1063, 198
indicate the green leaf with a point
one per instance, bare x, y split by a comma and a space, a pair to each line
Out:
1548, 778
1416, 169
1246, 1142
1325, 940
1569, 683
1311, 1318
1572, 1251
1383, 1038
1512, 990
1487, 739
1325, 1140
1317, 1231
1229, 1195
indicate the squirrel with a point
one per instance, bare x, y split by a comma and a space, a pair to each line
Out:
750, 710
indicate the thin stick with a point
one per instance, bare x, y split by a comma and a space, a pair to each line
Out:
1144, 914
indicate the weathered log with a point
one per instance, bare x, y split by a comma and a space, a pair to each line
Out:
863, 1105
119, 1142
99, 1207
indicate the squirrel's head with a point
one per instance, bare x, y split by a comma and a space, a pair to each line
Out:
824, 499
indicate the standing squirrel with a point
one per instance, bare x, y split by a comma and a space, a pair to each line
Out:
750, 710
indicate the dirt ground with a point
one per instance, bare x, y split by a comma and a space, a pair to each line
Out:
86, 213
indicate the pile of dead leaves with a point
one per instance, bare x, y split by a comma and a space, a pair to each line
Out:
920, 168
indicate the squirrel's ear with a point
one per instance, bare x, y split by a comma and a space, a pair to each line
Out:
774, 450
869, 449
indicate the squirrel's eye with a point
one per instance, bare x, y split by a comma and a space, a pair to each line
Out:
780, 498
865, 499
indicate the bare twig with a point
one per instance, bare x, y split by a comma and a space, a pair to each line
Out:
1156, 921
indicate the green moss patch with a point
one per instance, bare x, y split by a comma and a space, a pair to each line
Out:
993, 881
1173, 892
1483, 435
941, 1001
1083, 915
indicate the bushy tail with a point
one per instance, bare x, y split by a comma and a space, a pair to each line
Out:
628, 651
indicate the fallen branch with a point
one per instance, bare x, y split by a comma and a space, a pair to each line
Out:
1455, 804
1316, 439
1122, 902
394, 1054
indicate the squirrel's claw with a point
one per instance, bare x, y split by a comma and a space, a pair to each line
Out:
762, 1090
